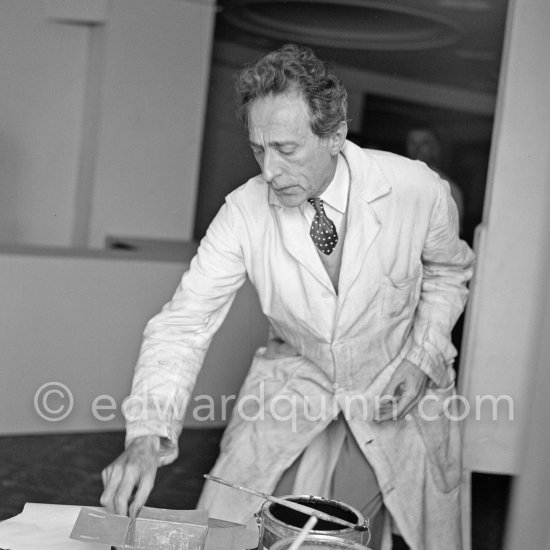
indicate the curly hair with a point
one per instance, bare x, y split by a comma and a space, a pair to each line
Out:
295, 68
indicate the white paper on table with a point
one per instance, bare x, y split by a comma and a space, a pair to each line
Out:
233, 536
48, 526
153, 528
157, 528
43, 527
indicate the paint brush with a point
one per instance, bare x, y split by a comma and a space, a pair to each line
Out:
310, 524
292, 505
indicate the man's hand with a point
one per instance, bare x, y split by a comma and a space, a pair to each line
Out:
135, 469
404, 390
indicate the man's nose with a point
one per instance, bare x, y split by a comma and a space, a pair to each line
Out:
270, 167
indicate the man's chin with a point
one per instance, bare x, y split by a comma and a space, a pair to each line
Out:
290, 200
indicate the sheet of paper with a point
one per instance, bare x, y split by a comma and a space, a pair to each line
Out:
43, 527
98, 526
154, 528
48, 527
232, 536
197, 517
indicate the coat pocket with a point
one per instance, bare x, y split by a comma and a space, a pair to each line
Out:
436, 420
398, 296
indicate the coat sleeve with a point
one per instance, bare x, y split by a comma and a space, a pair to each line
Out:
447, 267
176, 340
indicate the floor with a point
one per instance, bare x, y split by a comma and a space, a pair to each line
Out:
65, 469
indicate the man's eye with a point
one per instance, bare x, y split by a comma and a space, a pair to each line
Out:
257, 152
287, 151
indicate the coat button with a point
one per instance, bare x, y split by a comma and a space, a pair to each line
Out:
326, 294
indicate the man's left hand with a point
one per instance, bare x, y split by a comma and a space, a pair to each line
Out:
404, 390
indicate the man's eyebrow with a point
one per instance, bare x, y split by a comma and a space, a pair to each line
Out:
274, 143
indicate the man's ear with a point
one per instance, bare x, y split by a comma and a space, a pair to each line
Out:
338, 138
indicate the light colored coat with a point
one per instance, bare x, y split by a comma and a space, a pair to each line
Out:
402, 286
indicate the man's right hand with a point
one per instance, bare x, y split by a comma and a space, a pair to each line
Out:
134, 470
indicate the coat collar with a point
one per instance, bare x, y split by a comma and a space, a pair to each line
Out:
367, 184
368, 180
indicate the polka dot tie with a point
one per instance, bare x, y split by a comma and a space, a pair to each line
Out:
323, 231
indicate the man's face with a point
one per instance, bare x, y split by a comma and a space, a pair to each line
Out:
295, 163
422, 145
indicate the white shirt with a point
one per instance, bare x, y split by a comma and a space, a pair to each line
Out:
335, 197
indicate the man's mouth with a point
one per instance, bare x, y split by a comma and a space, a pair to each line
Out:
282, 189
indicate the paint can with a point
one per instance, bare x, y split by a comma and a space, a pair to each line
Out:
320, 542
277, 522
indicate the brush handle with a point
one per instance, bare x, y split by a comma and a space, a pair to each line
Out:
310, 524
289, 504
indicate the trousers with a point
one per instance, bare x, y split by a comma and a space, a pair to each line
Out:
353, 483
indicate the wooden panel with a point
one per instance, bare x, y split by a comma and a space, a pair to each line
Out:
502, 334
43, 67
155, 78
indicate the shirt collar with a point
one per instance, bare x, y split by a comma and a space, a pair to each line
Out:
336, 194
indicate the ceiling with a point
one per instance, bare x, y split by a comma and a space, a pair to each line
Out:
455, 43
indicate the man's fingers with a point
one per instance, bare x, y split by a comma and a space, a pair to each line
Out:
416, 392
124, 492
106, 475
120, 487
142, 494
384, 416
412, 404
395, 411
387, 408
134, 470
396, 405
393, 386
402, 393
405, 402
111, 479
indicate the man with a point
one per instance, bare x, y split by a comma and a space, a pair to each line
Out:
359, 269
423, 144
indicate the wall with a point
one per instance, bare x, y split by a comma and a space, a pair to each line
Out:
43, 67
101, 110
77, 319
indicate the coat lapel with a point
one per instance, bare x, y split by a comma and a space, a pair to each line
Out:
295, 237
368, 183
